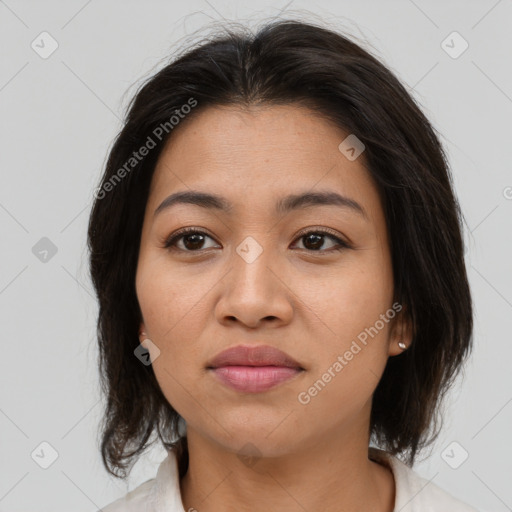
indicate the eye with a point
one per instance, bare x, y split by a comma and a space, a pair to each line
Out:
314, 240
193, 240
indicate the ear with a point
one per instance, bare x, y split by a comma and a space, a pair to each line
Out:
401, 331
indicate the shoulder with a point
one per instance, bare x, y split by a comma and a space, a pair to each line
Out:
159, 494
414, 493
134, 501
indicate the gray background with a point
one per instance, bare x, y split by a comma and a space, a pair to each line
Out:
59, 116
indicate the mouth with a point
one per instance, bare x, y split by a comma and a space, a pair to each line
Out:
254, 369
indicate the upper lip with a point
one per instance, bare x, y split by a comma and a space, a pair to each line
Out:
245, 355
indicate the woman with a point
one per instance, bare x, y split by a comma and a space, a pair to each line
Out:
277, 252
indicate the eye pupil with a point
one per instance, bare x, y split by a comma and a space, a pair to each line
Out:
316, 240
197, 240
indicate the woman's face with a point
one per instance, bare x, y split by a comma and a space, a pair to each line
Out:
253, 276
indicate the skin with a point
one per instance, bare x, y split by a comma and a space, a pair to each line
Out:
198, 300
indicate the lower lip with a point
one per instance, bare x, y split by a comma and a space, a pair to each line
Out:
254, 379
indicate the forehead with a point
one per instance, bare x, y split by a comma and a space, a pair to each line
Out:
259, 154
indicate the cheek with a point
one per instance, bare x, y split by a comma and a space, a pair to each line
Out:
347, 367
355, 309
175, 312
171, 301
351, 298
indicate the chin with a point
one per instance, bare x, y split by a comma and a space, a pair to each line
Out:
258, 438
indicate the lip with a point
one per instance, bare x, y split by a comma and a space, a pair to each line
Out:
247, 355
253, 369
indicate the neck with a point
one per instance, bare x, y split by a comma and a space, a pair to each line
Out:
329, 475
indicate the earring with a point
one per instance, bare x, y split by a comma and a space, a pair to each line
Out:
402, 345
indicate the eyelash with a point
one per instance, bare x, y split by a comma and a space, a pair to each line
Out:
170, 242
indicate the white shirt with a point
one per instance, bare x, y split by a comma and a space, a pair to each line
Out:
412, 492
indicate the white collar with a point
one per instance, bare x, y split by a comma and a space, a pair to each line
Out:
412, 492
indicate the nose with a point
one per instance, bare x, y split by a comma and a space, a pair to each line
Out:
255, 292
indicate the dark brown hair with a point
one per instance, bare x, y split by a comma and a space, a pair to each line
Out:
295, 63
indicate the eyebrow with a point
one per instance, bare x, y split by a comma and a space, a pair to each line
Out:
283, 205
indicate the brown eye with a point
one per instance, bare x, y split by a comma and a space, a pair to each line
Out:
192, 240
314, 240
